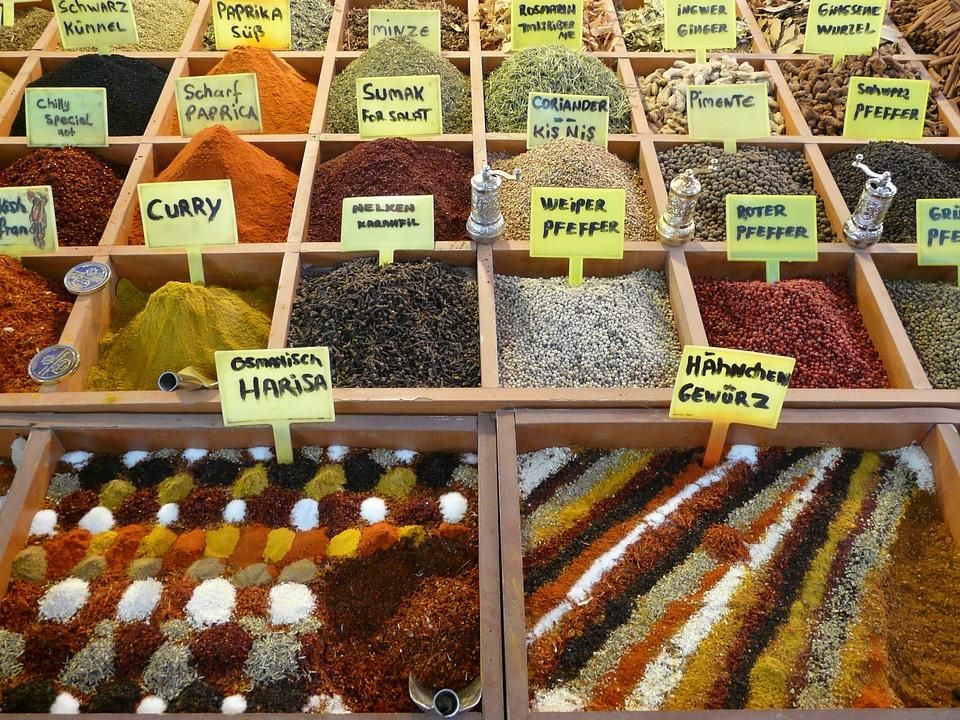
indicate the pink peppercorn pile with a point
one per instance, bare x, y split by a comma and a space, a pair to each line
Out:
815, 320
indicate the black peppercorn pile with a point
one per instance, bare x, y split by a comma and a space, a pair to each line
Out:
405, 324
917, 172
752, 170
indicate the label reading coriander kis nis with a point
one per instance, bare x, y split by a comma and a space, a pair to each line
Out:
421, 25
229, 100
387, 224
702, 26
27, 220
535, 23
405, 106
262, 23
95, 23
885, 108
56, 117
551, 116
841, 27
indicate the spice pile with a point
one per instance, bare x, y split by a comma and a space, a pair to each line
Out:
815, 320
393, 166
931, 28
643, 29
178, 326
930, 312
85, 189
607, 332
550, 69
601, 32
263, 187
783, 24
286, 96
400, 325
33, 312
309, 26
161, 25
453, 23
133, 87
198, 581
573, 163
820, 89
396, 57
781, 578
751, 170
28, 25
917, 172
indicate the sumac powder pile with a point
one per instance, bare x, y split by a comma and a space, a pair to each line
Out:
33, 311
85, 189
815, 320
405, 324
133, 87
393, 166
917, 172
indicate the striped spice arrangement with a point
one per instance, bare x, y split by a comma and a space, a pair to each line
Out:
765, 582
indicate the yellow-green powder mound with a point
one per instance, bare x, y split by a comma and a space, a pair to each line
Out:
177, 326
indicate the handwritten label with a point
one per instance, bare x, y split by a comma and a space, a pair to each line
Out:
730, 386
188, 214
772, 227
551, 116
421, 25
387, 224
404, 106
230, 100
543, 23
938, 232
95, 23
728, 112
66, 116
705, 25
840, 27
263, 23
885, 108
27, 220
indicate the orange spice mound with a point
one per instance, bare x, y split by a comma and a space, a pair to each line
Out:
308, 544
263, 187
379, 536
725, 544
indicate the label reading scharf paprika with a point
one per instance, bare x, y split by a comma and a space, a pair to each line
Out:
27, 220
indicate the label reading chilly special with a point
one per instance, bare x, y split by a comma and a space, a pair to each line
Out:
229, 100
938, 232
421, 25
188, 214
840, 27
551, 116
263, 23
56, 117
535, 23
405, 106
387, 224
728, 112
95, 23
27, 221
704, 25
885, 108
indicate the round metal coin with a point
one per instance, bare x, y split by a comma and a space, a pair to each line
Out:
54, 363
87, 277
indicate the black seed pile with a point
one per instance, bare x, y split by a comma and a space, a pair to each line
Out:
406, 324
133, 87
917, 172
752, 170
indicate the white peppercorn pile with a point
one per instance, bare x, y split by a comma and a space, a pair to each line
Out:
930, 313
607, 332
916, 171
574, 163
752, 170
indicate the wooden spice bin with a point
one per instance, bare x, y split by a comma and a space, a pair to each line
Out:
48, 441
338, 25
523, 431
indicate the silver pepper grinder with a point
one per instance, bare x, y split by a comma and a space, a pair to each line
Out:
486, 222
676, 224
865, 226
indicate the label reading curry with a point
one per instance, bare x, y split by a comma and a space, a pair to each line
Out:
262, 23
194, 213
229, 100
841, 27
404, 106
551, 116
95, 23
885, 108
421, 25
56, 117
27, 220
535, 23
387, 224
704, 25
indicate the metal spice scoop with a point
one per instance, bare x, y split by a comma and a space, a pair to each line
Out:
445, 703
486, 222
187, 379
865, 226
676, 224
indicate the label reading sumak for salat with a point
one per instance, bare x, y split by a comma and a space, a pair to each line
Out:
885, 108
551, 116
56, 117
229, 100
772, 227
387, 224
701, 25
420, 25
535, 23
95, 23
938, 232
728, 112
404, 106
263, 23
188, 214
839, 27
27, 221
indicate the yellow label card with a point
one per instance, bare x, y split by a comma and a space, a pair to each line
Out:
730, 386
704, 25
27, 220
772, 227
58, 116
262, 23
728, 112
551, 116
839, 27
421, 25
885, 108
535, 23
95, 23
188, 214
387, 224
404, 106
230, 100
938, 232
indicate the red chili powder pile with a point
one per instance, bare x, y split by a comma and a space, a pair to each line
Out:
263, 188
